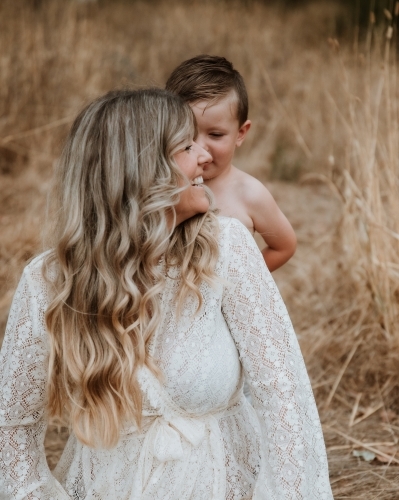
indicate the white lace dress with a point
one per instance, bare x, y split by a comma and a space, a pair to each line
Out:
201, 439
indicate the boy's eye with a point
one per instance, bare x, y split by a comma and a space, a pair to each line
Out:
188, 148
216, 134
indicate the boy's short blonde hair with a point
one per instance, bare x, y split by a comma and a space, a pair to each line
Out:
209, 78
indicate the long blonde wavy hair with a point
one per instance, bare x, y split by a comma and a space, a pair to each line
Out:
116, 186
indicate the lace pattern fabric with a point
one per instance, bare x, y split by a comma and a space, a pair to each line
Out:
200, 439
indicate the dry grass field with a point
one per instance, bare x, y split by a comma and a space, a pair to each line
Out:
325, 139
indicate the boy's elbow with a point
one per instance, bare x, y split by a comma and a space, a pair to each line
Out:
290, 246
293, 246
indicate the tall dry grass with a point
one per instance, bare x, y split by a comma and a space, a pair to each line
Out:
323, 113
55, 56
362, 101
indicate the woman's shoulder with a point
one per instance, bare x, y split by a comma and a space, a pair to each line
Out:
232, 230
37, 272
37, 262
235, 241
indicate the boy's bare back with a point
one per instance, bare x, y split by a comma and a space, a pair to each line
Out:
232, 194
243, 197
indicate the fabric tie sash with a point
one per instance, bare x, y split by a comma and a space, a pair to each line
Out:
171, 434
167, 443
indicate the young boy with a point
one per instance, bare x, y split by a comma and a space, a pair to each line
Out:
217, 95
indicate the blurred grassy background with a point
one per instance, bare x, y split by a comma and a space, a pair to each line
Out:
324, 101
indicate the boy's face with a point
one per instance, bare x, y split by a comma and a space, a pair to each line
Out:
219, 132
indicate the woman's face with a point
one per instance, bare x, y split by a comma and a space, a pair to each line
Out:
191, 160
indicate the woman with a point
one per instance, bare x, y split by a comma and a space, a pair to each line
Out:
138, 328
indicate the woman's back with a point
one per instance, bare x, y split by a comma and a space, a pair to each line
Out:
200, 438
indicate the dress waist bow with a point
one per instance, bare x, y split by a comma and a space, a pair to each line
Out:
171, 433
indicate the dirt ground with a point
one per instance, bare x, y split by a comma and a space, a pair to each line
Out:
314, 213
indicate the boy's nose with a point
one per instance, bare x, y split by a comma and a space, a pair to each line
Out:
204, 157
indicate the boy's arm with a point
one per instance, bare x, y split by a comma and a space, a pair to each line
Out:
270, 222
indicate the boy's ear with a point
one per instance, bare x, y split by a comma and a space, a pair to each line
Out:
242, 132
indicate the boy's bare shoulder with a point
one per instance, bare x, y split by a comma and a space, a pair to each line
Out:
250, 190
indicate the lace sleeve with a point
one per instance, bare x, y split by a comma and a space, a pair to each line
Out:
24, 473
294, 464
